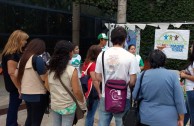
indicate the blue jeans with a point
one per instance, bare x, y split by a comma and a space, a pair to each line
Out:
62, 120
106, 117
91, 113
190, 101
12, 113
187, 115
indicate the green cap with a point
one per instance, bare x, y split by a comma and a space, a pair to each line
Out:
102, 36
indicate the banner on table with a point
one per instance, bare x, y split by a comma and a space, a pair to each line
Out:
174, 43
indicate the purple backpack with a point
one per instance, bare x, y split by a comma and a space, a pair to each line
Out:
115, 96
115, 93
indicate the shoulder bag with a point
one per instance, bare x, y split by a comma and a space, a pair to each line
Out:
115, 93
132, 116
79, 113
84, 79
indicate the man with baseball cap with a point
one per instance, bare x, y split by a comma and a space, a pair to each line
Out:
102, 38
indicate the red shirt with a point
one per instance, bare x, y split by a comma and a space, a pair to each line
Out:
91, 68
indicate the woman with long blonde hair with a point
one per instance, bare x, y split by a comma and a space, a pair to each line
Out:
10, 58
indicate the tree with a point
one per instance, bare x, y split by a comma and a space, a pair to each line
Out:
76, 23
121, 12
108, 6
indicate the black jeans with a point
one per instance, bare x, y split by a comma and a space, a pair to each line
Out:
12, 113
35, 112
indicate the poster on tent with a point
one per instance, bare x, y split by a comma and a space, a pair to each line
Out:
133, 35
133, 38
174, 43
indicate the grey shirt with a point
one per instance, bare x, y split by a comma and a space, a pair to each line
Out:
162, 97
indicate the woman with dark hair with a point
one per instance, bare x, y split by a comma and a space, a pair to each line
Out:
31, 76
92, 95
62, 105
188, 75
132, 49
76, 59
10, 57
162, 101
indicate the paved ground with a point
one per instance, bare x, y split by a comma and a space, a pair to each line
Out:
45, 122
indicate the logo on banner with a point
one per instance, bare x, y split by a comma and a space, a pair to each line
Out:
171, 40
174, 43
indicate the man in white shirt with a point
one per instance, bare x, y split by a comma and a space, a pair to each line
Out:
119, 64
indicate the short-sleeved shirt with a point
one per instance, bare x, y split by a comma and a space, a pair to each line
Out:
139, 60
9, 85
119, 64
90, 69
76, 62
105, 48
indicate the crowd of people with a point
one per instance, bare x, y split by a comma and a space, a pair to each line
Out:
34, 76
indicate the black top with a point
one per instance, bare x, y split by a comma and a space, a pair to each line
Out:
9, 85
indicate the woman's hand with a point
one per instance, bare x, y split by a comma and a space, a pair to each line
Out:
180, 120
180, 123
183, 74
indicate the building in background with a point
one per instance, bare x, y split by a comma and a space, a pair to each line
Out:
51, 20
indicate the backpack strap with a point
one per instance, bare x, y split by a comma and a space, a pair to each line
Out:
103, 65
34, 62
85, 72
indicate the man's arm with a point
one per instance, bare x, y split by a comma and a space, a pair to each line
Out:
132, 81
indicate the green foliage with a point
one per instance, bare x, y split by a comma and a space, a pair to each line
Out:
144, 11
107, 6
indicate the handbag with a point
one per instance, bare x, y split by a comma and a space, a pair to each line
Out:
79, 113
132, 117
84, 79
115, 93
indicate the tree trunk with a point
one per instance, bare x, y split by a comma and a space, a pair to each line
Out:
121, 12
76, 23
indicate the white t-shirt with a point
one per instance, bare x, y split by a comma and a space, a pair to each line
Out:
138, 57
105, 48
190, 84
118, 63
76, 62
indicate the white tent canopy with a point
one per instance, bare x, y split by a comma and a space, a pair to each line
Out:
143, 25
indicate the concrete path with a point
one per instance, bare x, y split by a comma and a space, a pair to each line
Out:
46, 120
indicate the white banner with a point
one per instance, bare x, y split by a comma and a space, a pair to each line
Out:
174, 43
